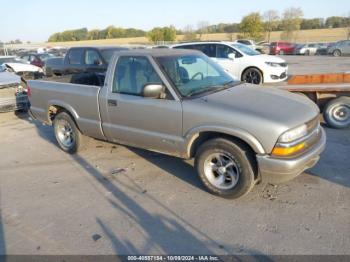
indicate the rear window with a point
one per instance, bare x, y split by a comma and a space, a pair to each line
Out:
75, 56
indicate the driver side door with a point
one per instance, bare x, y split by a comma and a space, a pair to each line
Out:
150, 123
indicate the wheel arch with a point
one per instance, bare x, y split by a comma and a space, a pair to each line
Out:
253, 67
199, 136
55, 107
204, 136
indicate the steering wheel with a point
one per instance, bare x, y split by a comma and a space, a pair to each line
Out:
198, 74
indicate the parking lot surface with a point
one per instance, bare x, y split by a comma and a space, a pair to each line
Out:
111, 199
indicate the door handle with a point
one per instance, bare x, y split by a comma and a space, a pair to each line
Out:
112, 102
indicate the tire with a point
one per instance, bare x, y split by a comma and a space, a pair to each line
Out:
307, 52
337, 112
238, 174
67, 134
337, 53
252, 76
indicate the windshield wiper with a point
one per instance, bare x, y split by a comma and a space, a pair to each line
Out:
215, 88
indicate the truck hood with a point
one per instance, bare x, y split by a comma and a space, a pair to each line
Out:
7, 78
272, 104
262, 112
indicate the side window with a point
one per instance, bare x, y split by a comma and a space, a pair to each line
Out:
26, 58
208, 49
132, 74
92, 58
222, 51
75, 56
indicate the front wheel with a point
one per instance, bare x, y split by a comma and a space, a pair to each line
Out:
252, 76
67, 134
337, 112
336, 53
226, 168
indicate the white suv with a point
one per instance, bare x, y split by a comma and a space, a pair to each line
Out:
242, 62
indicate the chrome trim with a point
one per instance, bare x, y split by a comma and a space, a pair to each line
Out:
315, 132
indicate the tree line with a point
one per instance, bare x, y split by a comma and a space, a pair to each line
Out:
255, 25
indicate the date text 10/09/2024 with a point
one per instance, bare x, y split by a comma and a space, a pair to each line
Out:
173, 258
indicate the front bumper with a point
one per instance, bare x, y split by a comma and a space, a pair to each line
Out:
275, 74
277, 170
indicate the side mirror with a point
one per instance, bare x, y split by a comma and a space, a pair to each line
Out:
97, 62
231, 56
153, 91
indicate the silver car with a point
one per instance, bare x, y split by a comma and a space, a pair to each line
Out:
340, 48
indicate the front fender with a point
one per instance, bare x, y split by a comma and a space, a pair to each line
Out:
192, 134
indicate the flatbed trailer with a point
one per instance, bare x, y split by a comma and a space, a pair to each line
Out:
331, 92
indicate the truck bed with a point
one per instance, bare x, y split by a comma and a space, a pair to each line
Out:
80, 100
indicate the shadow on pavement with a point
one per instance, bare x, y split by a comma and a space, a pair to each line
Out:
167, 235
175, 166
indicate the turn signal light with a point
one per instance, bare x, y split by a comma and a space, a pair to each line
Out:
287, 151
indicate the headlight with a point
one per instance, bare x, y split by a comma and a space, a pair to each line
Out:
293, 134
273, 64
290, 142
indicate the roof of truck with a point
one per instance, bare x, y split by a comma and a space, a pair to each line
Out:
159, 52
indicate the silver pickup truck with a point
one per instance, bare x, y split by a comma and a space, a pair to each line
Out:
181, 103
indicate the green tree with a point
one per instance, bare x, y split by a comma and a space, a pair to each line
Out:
315, 23
252, 26
158, 34
292, 18
93, 34
334, 22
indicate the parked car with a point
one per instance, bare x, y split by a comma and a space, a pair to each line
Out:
13, 94
305, 49
37, 59
340, 48
281, 48
260, 47
322, 48
242, 62
182, 103
263, 47
19, 66
81, 59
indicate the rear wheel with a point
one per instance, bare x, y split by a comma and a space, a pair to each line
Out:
226, 168
252, 76
337, 112
67, 134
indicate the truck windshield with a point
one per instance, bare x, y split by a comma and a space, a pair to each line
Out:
195, 74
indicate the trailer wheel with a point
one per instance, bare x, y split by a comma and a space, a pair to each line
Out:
337, 112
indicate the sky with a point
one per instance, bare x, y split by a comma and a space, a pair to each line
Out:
36, 20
